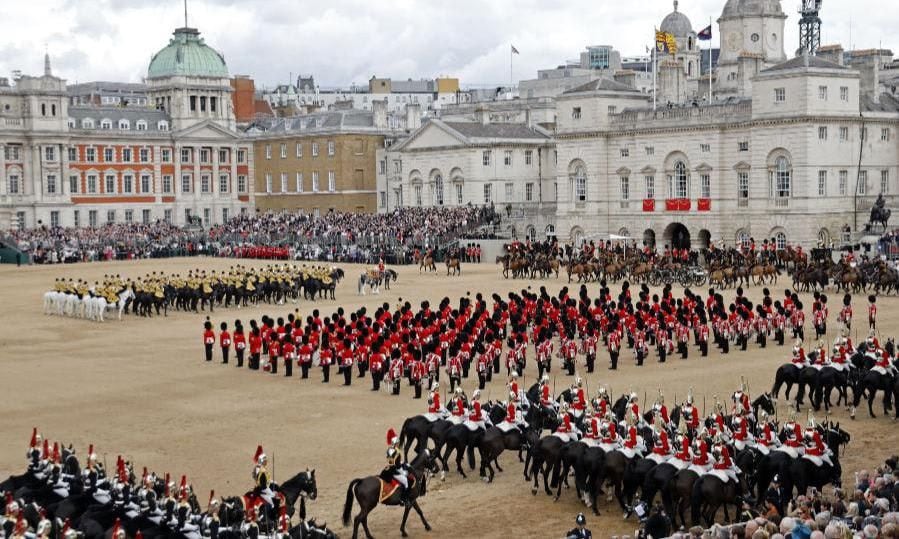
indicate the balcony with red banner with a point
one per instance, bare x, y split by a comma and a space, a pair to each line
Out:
704, 204
677, 204
649, 204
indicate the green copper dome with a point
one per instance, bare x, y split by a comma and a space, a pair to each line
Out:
187, 55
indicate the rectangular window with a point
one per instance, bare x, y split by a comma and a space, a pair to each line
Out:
283, 151
780, 95
528, 157
459, 194
844, 180
224, 215
241, 184
110, 184
167, 216
268, 151
51, 184
299, 182
625, 152
187, 217
166, 155
625, 188
822, 133
73, 183
127, 183
705, 186
822, 93
509, 187
167, 184
844, 134
507, 158
485, 157
283, 182
822, 183
268, 183
529, 192
223, 183
129, 216
299, 150
185, 155
54, 219
315, 149
92, 218
49, 153
650, 150
144, 154
91, 183
332, 181
73, 154
576, 113
76, 218
742, 189
885, 134
186, 183
332, 148
126, 155
145, 183
207, 215
705, 148
315, 182
382, 199
844, 93
13, 181
11, 153
650, 182
580, 188
488, 193
743, 146
612, 109
91, 155
145, 217
241, 156
884, 182
205, 183
863, 182
416, 194
223, 155
110, 216
205, 156
108, 155
397, 167
382, 167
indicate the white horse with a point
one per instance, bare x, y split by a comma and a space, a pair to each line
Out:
372, 279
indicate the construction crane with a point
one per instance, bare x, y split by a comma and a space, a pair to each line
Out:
810, 26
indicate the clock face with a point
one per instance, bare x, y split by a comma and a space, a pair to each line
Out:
754, 38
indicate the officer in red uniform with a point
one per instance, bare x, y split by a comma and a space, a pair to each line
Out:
255, 348
208, 339
872, 312
347, 358
240, 343
225, 342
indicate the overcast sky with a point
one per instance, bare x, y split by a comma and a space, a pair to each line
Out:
347, 41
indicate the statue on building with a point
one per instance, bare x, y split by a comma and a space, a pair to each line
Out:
879, 213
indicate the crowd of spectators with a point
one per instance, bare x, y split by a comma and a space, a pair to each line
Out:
334, 236
869, 511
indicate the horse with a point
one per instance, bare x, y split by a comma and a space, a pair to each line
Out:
367, 491
802, 473
872, 382
454, 265
426, 262
372, 279
494, 442
788, 374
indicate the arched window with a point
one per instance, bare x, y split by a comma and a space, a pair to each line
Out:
780, 241
783, 178
846, 234
124, 124
438, 190
690, 69
690, 46
678, 185
141, 125
105, 123
742, 238
579, 184
824, 237
550, 230
163, 125
531, 233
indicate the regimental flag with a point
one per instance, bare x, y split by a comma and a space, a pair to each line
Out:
665, 42
705, 34
514, 50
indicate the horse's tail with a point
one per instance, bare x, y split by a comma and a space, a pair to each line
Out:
348, 505
402, 441
696, 501
470, 452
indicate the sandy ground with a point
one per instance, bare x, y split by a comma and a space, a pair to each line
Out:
141, 388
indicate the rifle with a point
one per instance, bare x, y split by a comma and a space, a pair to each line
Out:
703, 406
273, 466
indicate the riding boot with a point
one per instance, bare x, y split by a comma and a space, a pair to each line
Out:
208, 352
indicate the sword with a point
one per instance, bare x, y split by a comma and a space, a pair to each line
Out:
273, 466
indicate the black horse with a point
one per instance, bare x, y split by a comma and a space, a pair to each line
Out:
367, 491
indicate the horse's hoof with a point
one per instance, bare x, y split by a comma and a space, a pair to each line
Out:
555, 499
405, 534
534, 491
443, 476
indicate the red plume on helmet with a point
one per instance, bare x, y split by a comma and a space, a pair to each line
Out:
258, 454
9, 498
21, 524
182, 490
143, 477
116, 528
391, 436
66, 527
33, 437
90, 451
45, 451
57, 458
211, 496
167, 489
123, 471
138, 535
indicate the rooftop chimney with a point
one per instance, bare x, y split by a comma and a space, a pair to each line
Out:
379, 113
413, 116
483, 115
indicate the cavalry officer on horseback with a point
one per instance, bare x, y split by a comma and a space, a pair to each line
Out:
741, 402
799, 359
767, 438
724, 468
33, 455
264, 487
396, 470
792, 434
884, 365
435, 408
689, 413
815, 450
476, 419
546, 398
659, 409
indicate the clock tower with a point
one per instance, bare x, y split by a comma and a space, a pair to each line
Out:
751, 40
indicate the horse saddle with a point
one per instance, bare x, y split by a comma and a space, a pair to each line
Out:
389, 488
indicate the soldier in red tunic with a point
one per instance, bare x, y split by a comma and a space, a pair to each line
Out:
240, 343
208, 339
346, 362
255, 348
225, 342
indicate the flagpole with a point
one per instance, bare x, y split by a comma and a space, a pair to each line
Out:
655, 47
511, 73
710, 62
